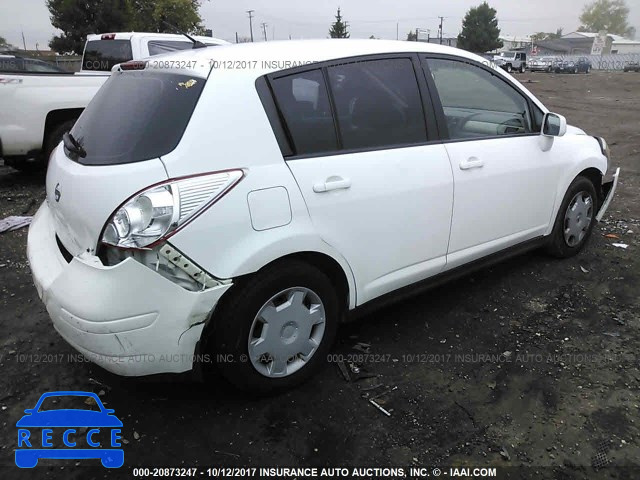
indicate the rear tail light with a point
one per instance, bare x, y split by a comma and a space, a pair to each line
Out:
134, 65
161, 210
108, 36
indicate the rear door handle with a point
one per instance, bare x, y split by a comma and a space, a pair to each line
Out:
471, 162
332, 183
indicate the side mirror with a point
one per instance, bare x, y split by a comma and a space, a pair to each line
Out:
554, 125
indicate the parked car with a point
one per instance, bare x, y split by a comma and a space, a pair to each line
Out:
50, 99
582, 65
237, 218
15, 62
512, 61
542, 64
632, 67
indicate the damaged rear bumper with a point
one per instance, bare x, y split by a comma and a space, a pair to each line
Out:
609, 186
126, 318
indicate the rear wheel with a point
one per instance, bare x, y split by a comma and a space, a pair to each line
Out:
275, 331
575, 220
522, 68
52, 139
55, 137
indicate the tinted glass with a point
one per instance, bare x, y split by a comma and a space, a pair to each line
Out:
11, 64
32, 65
477, 103
136, 116
157, 47
304, 103
102, 55
378, 103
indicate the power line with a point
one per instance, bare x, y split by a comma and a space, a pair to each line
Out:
250, 12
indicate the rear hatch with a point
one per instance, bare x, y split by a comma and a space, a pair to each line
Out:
136, 117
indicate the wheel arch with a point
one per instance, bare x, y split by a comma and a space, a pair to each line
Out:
586, 169
342, 279
56, 117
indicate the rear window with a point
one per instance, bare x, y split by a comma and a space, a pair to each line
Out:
136, 116
102, 55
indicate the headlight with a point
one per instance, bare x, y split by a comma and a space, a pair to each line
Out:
604, 147
162, 210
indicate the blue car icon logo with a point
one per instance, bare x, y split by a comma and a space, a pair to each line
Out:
69, 425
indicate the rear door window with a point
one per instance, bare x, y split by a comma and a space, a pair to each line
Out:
135, 116
304, 103
378, 103
102, 55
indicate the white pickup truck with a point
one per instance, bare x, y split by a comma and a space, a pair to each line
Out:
40, 102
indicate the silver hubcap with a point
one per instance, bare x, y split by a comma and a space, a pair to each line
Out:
286, 332
578, 218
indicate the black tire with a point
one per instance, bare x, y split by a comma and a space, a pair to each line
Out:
509, 68
522, 69
228, 335
55, 137
558, 246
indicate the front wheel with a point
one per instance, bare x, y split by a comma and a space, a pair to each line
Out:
274, 331
509, 68
575, 220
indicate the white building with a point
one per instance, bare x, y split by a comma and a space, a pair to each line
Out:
616, 44
513, 42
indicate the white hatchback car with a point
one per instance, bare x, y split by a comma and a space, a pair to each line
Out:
231, 206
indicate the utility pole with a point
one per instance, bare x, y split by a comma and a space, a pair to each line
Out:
397, 30
250, 12
24, 43
440, 32
264, 30
237, 38
417, 33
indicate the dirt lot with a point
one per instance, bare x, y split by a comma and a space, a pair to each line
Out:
531, 363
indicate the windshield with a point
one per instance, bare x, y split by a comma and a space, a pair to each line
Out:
69, 402
136, 116
508, 55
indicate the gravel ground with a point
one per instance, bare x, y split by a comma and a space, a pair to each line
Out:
533, 362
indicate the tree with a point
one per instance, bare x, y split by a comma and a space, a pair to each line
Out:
151, 15
79, 18
480, 32
537, 37
339, 29
608, 15
412, 36
3, 42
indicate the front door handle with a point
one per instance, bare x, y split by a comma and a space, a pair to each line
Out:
471, 162
332, 183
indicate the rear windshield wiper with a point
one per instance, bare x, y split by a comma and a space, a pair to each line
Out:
73, 145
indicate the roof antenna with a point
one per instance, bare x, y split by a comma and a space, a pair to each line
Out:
196, 43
